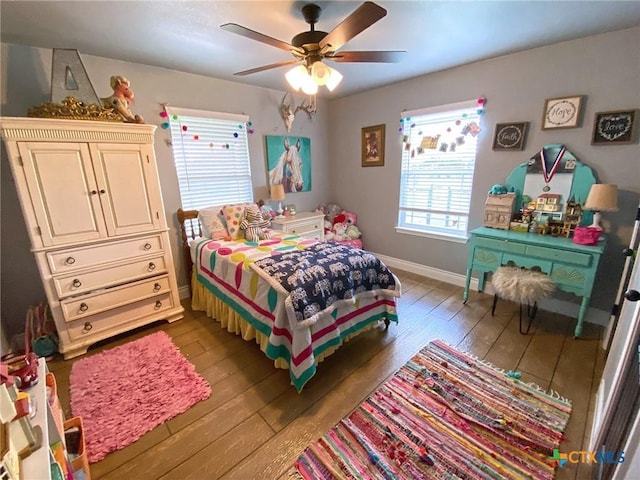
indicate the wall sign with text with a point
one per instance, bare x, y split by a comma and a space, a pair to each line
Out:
614, 127
510, 136
562, 112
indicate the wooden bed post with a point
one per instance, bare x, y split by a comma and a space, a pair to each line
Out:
188, 218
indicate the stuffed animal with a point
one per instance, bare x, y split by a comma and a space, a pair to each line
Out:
121, 98
498, 189
266, 210
254, 224
346, 217
327, 226
331, 210
353, 232
340, 232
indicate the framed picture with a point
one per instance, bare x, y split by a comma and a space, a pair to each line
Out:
614, 127
373, 146
289, 162
510, 136
562, 112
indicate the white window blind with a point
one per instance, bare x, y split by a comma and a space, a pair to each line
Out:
211, 154
438, 160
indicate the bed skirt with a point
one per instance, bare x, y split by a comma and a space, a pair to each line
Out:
204, 300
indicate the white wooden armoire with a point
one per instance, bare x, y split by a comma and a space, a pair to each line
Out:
91, 199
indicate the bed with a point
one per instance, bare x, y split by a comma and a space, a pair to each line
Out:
258, 290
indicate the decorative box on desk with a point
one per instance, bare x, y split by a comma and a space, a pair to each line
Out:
306, 224
498, 210
572, 267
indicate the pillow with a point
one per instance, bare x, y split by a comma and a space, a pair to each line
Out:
213, 223
232, 217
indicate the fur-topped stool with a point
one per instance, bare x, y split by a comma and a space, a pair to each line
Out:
522, 286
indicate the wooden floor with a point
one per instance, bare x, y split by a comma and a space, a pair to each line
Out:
254, 425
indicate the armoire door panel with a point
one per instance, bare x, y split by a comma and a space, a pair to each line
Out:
63, 192
123, 182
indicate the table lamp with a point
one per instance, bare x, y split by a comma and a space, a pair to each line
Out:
602, 198
277, 195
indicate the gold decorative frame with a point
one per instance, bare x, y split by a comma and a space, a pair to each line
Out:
373, 146
74, 109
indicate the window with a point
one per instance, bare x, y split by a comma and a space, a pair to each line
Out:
438, 159
211, 153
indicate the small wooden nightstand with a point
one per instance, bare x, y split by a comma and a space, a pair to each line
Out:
306, 224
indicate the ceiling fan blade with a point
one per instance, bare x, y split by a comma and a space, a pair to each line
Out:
267, 67
260, 37
362, 18
374, 56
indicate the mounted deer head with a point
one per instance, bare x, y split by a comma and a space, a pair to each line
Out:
289, 115
310, 108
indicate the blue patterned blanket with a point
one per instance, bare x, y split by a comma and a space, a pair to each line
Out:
322, 275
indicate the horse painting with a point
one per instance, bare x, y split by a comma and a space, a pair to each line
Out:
288, 170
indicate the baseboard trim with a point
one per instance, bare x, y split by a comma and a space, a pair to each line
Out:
184, 292
563, 307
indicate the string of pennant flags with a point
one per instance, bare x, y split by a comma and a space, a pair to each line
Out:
188, 134
431, 141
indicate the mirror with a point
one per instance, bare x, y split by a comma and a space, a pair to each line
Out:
556, 175
550, 172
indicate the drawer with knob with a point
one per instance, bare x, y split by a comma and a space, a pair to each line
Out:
93, 325
81, 282
72, 259
110, 298
306, 224
303, 227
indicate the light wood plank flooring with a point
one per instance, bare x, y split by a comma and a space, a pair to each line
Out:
254, 425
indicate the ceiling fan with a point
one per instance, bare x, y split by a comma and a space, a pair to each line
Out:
312, 46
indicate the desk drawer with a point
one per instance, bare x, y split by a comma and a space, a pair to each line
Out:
486, 258
568, 275
562, 255
500, 245
527, 262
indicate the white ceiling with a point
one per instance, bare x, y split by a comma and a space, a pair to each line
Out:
186, 35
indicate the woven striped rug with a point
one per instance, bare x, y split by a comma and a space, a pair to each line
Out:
443, 415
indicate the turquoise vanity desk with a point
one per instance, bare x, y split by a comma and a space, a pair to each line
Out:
573, 267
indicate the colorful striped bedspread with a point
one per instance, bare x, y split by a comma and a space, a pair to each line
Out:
225, 268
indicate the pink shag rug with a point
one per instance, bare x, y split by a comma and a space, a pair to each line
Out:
125, 392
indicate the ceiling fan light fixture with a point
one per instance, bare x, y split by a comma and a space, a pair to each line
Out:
296, 77
335, 78
312, 46
308, 85
320, 73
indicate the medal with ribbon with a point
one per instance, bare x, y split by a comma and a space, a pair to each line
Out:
547, 173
